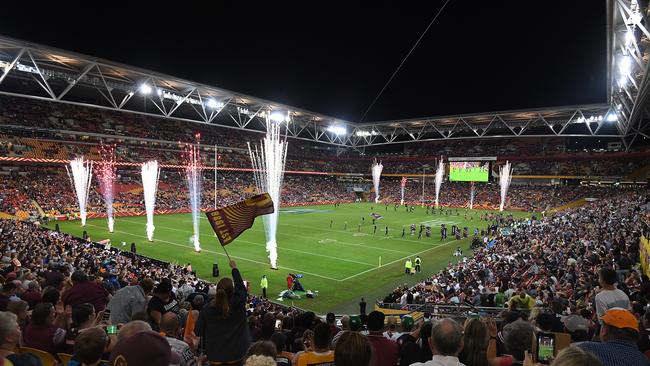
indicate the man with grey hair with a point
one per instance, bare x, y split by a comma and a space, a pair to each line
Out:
345, 325
132, 328
446, 342
518, 338
10, 335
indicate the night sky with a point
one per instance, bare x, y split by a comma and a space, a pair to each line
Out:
334, 58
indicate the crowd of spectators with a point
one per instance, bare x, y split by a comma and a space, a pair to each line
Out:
572, 273
38, 129
50, 188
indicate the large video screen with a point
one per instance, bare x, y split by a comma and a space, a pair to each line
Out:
469, 171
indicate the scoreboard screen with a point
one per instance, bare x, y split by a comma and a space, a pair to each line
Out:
469, 171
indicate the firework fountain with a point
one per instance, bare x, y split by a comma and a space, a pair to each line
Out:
193, 173
440, 172
150, 173
268, 171
106, 173
80, 179
376, 174
505, 176
472, 193
403, 184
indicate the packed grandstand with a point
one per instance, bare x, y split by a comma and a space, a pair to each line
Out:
560, 277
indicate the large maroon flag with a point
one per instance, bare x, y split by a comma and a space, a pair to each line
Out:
230, 221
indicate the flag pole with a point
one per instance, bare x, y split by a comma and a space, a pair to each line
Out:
225, 251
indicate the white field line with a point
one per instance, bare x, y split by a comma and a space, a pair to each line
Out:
262, 245
337, 242
222, 254
396, 260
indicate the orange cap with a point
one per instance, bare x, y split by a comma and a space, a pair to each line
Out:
620, 318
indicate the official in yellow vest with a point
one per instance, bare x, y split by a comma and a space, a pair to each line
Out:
264, 284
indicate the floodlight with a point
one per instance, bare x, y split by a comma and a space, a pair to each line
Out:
159, 91
337, 130
611, 117
622, 81
277, 117
145, 89
212, 103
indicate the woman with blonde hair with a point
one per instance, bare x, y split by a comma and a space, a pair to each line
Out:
352, 349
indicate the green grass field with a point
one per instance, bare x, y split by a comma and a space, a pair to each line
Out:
342, 265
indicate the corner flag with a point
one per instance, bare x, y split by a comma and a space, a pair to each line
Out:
228, 222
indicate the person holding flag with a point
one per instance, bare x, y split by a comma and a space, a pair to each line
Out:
264, 284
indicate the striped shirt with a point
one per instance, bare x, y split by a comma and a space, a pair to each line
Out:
616, 353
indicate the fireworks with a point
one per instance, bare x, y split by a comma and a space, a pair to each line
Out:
505, 176
472, 193
268, 165
106, 173
193, 174
440, 172
81, 178
150, 173
376, 174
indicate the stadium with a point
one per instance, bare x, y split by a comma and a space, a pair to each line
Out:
236, 228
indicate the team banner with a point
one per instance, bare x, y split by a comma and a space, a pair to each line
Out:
230, 221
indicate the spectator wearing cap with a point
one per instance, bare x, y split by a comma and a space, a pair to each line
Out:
446, 343
321, 354
85, 291
128, 301
385, 351
160, 303
222, 324
170, 326
577, 327
355, 323
618, 334
330, 318
610, 296
89, 348
143, 348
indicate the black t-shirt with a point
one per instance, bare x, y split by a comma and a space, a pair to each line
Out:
156, 304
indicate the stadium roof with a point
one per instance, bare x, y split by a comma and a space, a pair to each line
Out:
37, 71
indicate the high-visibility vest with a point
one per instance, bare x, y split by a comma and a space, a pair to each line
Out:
264, 283
417, 261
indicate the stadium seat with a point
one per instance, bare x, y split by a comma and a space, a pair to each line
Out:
64, 357
46, 358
